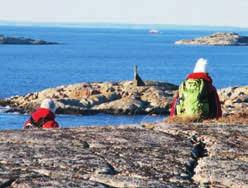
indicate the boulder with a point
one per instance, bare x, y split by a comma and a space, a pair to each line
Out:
123, 106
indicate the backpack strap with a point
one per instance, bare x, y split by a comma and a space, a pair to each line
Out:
205, 91
173, 111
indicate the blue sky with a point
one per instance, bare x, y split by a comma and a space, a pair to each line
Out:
178, 12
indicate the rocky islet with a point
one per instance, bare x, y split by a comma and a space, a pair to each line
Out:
217, 39
23, 41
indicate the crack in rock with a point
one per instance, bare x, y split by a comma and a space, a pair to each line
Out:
198, 151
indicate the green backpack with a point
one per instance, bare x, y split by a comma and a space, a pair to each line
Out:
192, 100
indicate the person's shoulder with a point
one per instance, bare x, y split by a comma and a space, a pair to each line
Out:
43, 112
200, 75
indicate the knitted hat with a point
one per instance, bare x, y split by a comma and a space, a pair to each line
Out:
201, 65
49, 104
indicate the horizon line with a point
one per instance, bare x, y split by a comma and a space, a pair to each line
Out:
113, 24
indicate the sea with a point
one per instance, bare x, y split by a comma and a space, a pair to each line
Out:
92, 54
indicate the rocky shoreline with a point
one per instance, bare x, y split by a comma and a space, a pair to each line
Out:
22, 41
122, 98
161, 155
102, 97
208, 154
217, 39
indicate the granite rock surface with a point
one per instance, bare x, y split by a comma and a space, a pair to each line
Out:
105, 97
119, 98
161, 155
224, 162
217, 39
234, 100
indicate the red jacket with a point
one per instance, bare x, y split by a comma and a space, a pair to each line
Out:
213, 98
42, 118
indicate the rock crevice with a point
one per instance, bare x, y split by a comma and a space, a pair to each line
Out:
224, 160
198, 151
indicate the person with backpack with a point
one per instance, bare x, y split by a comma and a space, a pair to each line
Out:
197, 98
43, 117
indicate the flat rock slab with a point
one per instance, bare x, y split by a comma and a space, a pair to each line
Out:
94, 157
161, 155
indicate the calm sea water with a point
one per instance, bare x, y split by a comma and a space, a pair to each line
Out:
87, 55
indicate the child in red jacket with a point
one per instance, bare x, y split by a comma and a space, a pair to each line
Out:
43, 117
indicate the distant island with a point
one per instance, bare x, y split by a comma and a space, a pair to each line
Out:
23, 40
218, 39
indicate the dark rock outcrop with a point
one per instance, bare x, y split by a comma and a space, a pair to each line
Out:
22, 40
194, 155
218, 39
